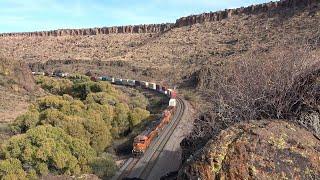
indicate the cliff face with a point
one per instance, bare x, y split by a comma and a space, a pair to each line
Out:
255, 9
184, 21
148, 28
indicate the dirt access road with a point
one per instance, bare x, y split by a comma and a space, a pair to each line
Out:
164, 154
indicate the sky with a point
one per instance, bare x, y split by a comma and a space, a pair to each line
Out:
41, 15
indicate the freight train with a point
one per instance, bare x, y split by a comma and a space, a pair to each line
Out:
144, 139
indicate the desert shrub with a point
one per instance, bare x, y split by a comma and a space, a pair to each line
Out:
78, 78
137, 115
12, 169
26, 121
54, 85
121, 122
104, 166
81, 90
56, 102
49, 149
257, 88
138, 100
106, 111
102, 98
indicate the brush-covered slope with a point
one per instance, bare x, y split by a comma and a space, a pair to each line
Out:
16, 82
188, 45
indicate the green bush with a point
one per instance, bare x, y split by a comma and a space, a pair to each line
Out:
137, 115
65, 131
104, 166
47, 149
121, 122
12, 169
26, 121
54, 85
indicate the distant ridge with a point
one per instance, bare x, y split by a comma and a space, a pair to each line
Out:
184, 21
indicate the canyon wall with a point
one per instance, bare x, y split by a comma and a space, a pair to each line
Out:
147, 28
278, 7
254, 9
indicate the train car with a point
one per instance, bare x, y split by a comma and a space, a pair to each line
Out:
137, 83
105, 78
158, 87
61, 74
172, 103
118, 81
152, 86
99, 78
125, 81
142, 141
172, 93
131, 82
164, 90
144, 84
38, 73
93, 78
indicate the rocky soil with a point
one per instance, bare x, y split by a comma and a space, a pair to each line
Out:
270, 149
16, 83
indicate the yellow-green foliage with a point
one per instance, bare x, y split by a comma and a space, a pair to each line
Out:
137, 115
12, 169
104, 166
90, 115
53, 85
26, 121
46, 146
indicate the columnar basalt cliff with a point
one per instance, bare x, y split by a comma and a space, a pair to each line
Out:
255, 9
278, 6
147, 28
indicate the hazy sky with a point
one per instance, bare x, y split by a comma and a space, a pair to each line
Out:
36, 15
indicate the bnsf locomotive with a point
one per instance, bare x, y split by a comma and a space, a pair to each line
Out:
143, 140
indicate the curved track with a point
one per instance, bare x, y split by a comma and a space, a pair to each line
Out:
141, 167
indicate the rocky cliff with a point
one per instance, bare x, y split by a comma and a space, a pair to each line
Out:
148, 28
276, 7
255, 9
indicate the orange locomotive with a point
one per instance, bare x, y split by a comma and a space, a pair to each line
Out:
142, 141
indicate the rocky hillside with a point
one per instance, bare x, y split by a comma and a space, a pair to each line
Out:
188, 45
16, 83
257, 150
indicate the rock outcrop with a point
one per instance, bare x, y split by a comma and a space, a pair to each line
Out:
148, 28
269, 149
184, 21
255, 9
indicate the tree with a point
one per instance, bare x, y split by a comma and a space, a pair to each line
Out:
12, 169
46, 146
120, 123
26, 121
104, 166
137, 115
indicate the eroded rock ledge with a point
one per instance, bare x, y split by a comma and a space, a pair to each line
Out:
184, 21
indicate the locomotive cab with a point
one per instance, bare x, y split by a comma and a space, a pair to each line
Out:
139, 145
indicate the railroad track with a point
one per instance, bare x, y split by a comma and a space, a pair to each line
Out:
141, 167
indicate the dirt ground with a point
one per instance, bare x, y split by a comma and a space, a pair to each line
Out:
11, 106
